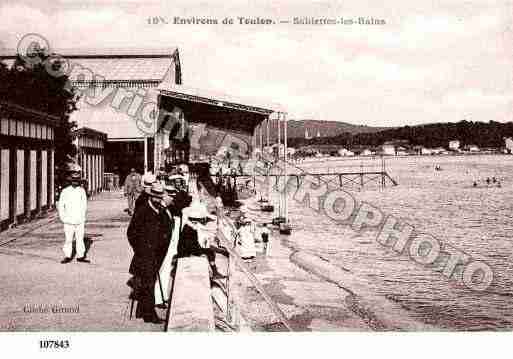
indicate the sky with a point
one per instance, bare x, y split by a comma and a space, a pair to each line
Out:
432, 61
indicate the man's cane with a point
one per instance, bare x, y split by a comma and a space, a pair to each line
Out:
161, 290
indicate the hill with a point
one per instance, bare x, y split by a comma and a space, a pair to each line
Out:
484, 135
296, 129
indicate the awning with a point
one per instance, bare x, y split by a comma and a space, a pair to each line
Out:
215, 109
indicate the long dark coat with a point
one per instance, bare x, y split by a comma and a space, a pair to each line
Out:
149, 234
141, 199
188, 244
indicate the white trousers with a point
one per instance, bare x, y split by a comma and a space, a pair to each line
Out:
74, 231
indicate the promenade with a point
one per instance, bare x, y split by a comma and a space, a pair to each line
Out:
38, 293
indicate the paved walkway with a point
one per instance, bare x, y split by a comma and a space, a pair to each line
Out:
34, 281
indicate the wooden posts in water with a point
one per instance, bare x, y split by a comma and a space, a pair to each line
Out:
285, 160
267, 122
382, 172
277, 161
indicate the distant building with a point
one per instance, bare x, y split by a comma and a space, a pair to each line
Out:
388, 150
508, 142
291, 151
345, 152
401, 151
454, 145
366, 152
438, 151
307, 135
471, 148
426, 151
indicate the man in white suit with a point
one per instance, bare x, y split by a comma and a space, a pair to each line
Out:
72, 207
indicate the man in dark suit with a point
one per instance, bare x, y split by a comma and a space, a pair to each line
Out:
148, 180
149, 234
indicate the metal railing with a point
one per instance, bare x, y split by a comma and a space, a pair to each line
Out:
234, 259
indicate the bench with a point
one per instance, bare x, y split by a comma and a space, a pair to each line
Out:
191, 307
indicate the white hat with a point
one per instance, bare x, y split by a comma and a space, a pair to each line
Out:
73, 167
170, 188
157, 190
148, 179
175, 177
197, 209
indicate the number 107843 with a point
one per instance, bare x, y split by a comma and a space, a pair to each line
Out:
53, 344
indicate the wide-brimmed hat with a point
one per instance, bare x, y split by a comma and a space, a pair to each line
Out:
157, 190
197, 210
170, 189
73, 167
176, 177
149, 179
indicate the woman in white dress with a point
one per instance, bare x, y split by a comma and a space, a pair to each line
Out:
246, 238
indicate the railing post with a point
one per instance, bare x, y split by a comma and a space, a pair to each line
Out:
231, 311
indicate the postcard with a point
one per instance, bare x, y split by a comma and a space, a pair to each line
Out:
255, 166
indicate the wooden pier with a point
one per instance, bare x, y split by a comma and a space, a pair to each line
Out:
342, 179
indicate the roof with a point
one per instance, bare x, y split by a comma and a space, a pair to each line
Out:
128, 64
110, 52
34, 115
117, 124
89, 132
215, 98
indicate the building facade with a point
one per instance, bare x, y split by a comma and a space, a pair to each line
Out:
26, 164
91, 157
120, 100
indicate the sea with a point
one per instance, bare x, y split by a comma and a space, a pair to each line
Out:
476, 219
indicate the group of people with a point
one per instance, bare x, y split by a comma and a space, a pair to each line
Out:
167, 223
134, 183
490, 182
250, 235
